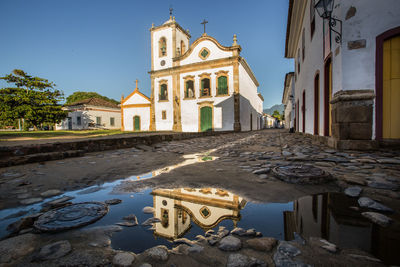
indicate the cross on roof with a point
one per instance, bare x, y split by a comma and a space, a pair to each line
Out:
204, 24
137, 83
170, 11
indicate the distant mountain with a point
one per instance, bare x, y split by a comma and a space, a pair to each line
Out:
277, 107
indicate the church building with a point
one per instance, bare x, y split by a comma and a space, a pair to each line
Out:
203, 86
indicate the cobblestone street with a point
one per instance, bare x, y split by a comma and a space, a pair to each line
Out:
252, 165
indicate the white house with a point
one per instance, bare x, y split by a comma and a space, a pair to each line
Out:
197, 87
287, 100
91, 113
347, 69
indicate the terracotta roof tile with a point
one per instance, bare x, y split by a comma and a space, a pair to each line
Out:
94, 102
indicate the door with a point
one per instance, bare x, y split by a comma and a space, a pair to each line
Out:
136, 123
327, 98
303, 110
205, 119
251, 122
391, 88
316, 104
69, 123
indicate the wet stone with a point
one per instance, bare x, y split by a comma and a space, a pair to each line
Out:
366, 202
148, 210
159, 253
19, 225
383, 185
262, 244
124, 259
301, 174
50, 193
353, 191
16, 247
377, 218
114, 201
54, 251
150, 221
72, 216
287, 249
90, 190
240, 260
262, 171
30, 201
230, 243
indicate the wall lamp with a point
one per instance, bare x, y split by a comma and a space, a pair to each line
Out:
324, 9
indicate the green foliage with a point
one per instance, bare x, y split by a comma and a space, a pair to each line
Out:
34, 99
277, 115
78, 96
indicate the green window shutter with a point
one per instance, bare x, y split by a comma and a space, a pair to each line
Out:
222, 85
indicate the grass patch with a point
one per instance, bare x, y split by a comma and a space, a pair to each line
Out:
206, 158
50, 134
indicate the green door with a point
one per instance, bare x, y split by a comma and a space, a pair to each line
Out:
206, 119
136, 123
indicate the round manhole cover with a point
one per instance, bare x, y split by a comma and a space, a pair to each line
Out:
301, 174
72, 216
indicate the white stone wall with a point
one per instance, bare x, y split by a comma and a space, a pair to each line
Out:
157, 35
89, 116
180, 36
159, 106
249, 101
215, 53
142, 112
223, 105
136, 99
352, 69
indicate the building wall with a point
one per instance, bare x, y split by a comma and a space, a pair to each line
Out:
142, 112
250, 102
157, 35
223, 105
353, 69
88, 118
180, 36
136, 99
215, 53
160, 106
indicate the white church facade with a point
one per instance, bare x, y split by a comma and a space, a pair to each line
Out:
195, 87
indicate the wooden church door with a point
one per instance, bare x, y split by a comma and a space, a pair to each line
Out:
136, 123
391, 88
205, 119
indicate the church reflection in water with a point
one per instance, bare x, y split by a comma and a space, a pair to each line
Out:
329, 216
206, 207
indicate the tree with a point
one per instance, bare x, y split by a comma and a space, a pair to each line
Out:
34, 99
77, 96
276, 115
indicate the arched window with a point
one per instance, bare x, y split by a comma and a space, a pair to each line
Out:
163, 91
183, 47
205, 87
189, 89
162, 44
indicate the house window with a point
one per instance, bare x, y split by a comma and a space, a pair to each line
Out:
303, 45
312, 18
222, 83
78, 121
98, 120
163, 91
112, 121
205, 87
189, 89
162, 44
298, 61
164, 115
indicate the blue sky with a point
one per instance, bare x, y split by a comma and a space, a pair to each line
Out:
103, 46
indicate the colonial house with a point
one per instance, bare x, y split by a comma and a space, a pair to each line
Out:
91, 113
195, 87
347, 70
287, 100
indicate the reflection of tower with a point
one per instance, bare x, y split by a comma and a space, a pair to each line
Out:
206, 207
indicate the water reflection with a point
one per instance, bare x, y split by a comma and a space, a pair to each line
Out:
333, 217
206, 207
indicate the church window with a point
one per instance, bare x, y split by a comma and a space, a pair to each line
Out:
164, 115
303, 45
204, 53
163, 91
205, 212
189, 90
112, 121
312, 18
183, 47
222, 82
162, 47
164, 218
205, 87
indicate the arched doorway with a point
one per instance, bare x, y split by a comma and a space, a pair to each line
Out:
328, 97
205, 119
136, 123
316, 104
388, 85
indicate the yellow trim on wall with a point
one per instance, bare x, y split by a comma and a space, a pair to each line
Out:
201, 51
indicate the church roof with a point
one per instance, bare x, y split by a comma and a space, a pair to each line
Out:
94, 101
